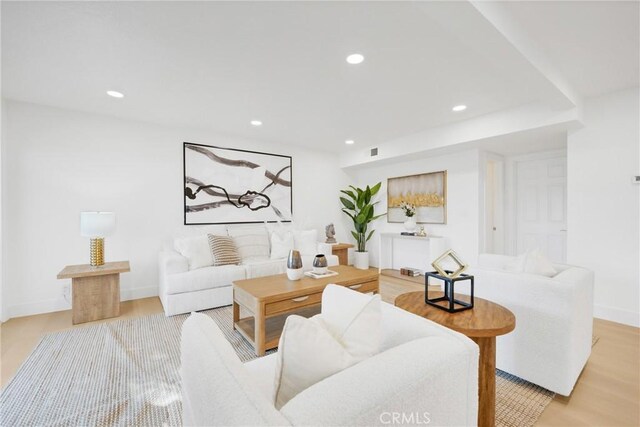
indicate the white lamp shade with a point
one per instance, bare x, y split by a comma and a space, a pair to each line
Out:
97, 224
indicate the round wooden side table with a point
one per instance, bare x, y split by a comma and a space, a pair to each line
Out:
483, 323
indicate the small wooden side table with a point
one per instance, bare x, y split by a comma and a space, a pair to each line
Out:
482, 323
95, 290
342, 251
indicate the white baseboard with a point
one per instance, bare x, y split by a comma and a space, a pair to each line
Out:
617, 315
60, 304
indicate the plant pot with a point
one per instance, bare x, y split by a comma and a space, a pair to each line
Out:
295, 273
410, 223
361, 260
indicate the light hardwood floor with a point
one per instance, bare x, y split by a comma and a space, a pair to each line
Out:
607, 393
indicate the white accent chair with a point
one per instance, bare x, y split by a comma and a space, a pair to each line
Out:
424, 373
554, 320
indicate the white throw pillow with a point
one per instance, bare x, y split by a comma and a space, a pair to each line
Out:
307, 353
517, 264
306, 241
196, 250
310, 350
538, 263
252, 242
281, 244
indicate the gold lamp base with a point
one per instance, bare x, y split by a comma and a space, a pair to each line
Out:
96, 253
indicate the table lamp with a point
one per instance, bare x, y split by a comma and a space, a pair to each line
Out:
96, 226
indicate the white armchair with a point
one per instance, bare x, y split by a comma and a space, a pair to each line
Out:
424, 373
554, 321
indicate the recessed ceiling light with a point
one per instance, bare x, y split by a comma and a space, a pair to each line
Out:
115, 94
349, 142
256, 122
355, 58
459, 108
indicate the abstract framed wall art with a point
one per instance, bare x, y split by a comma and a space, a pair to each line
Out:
427, 192
229, 186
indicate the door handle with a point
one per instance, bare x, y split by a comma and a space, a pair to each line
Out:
300, 299
564, 229
355, 286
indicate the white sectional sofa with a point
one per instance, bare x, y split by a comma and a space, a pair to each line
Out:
423, 374
184, 289
554, 320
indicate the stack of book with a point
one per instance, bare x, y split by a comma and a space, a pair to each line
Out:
412, 272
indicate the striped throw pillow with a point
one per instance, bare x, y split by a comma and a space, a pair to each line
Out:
224, 250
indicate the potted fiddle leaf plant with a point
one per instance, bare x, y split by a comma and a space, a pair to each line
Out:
360, 208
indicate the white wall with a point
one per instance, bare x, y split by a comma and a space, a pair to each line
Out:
603, 204
462, 228
61, 162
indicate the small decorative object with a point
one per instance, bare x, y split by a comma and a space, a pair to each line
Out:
409, 212
361, 209
408, 233
320, 264
330, 232
294, 265
449, 293
314, 275
422, 232
97, 226
427, 192
411, 272
449, 255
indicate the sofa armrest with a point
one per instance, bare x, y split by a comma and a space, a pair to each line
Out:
171, 262
434, 379
217, 390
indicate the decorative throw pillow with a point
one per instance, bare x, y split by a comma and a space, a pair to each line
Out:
538, 263
311, 350
306, 241
252, 242
516, 265
281, 244
196, 250
307, 353
223, 249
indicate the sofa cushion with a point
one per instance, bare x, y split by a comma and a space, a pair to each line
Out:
281, 244
204, 278
307, 353
252, 241
196, 250
262, 371
313, 349
353, 318
306, 241
538, 263
223, 250
256, 268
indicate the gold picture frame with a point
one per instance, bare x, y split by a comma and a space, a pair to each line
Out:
426, 191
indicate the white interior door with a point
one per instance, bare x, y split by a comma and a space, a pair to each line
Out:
541, 197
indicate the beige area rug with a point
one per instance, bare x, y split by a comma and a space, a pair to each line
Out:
127, 373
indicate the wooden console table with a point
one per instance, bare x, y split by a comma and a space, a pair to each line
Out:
95, 290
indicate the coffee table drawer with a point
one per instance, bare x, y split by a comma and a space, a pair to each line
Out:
292, 303
364, 287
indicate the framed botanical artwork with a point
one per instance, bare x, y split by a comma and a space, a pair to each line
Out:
426, 191
230, 186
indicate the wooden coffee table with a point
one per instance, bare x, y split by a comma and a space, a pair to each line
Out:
482, 323
270, 299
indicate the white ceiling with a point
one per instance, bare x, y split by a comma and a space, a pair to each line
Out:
218, 65
594, 44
